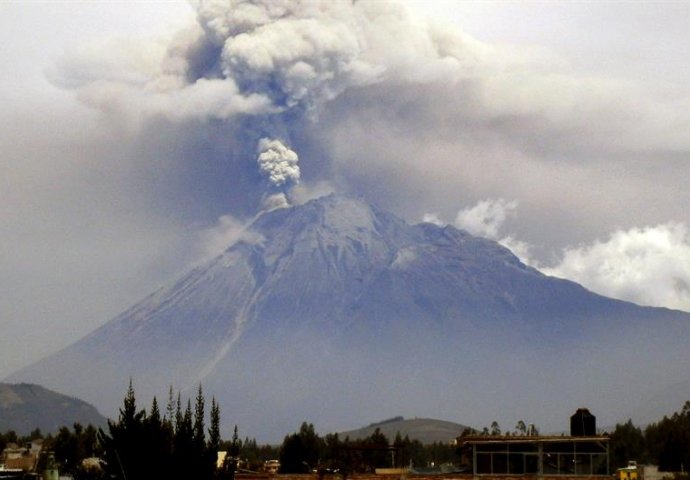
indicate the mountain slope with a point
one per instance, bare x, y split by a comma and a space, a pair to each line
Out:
24, 407
338, 312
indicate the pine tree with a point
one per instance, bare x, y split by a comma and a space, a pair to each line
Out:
128, 413
155, 415
158, 443
141, 447
125, 446
232, 458
199, 434
178, 413
214, 430
170, 408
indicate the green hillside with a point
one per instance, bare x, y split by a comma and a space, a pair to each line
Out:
426, 430
24, 407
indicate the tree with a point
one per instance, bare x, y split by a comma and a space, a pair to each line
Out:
65, 447
440, 453
170, 410
409, 452
183, 445
668, 441
495, 429
10, 436
521, 427
199, 434
204, 459
300, 451
232, 457
627, 443
71, 448
140, 446
214, 430
125, 451
158, 437
377, 454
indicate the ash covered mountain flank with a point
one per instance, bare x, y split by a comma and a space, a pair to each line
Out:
336, 312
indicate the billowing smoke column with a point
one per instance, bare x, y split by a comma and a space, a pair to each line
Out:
266, 57
279, 165
267, 66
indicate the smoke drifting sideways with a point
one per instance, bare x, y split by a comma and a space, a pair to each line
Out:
248, 70
412, 114
279, 165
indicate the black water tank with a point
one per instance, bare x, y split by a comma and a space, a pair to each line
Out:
583, 423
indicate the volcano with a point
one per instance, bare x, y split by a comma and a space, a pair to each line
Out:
337, 313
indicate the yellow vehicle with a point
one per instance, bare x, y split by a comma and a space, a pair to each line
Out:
631, 472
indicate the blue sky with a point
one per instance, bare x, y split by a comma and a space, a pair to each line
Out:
129, 133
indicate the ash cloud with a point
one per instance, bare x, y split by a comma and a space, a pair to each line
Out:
416, 116
278, 163
413, 114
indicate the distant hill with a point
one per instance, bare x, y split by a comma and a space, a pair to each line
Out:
426, 430
25, 407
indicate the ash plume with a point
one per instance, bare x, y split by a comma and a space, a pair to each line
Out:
354, 84
278, 163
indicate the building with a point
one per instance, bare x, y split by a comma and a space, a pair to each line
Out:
583, 453
271, 466
24, 458
542, 455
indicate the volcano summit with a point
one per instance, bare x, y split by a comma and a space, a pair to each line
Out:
338, 313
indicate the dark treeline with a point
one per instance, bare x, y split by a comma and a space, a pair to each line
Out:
665, 443
176, 444
140, 445
306, 451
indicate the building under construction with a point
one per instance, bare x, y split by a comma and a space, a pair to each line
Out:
583, 453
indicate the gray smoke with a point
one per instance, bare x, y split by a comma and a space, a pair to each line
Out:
415, 115
278, 163
267, 57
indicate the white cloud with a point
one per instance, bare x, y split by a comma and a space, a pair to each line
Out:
521, 249
433, 218
648, 266
486, 217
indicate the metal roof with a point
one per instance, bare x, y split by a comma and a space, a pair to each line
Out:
530, 439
